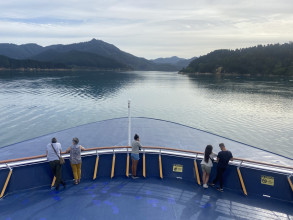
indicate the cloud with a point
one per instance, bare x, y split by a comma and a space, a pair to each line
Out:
149, 28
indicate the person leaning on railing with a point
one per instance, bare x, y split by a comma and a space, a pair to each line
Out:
75, 159
223, 158
136, 146
53, 153
207, 164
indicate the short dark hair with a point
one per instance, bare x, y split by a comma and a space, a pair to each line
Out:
75, 140
54, 140
221, 145
136, 137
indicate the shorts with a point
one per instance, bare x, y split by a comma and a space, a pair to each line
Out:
206, 168
135, 156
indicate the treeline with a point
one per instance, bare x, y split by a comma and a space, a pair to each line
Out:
79, 59
274, 59
94, 54
8, 63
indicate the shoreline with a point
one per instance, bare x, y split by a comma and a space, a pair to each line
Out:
231, 74
61, 69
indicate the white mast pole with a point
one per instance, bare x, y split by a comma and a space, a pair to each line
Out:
129, 124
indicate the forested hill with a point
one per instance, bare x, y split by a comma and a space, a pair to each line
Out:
265, 60
92, 54
9, 63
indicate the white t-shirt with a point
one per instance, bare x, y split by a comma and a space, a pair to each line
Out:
210, 162
51, 156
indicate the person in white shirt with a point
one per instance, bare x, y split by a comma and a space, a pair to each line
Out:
207, 164
53, 158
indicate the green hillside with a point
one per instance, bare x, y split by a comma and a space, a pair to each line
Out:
80, 59
8, 63
274, 59
94, 51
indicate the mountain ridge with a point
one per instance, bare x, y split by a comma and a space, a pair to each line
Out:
94, 46
174, 60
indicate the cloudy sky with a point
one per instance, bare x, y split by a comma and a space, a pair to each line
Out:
149, 28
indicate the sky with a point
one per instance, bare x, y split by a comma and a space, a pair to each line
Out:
149, 28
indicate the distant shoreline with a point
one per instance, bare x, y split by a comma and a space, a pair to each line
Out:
61, 69
229, 74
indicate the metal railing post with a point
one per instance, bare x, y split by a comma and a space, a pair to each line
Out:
53, 181
113, 164
96, 166
160, 165
290, 182
144, 174
6, 182
241, 179
196, 171
127, 164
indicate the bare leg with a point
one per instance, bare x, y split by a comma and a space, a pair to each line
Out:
207, 178
135, 167
132, 166
203, 177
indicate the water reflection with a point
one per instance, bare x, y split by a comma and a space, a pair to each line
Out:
267, 85
37, 103
254, 110
94, 85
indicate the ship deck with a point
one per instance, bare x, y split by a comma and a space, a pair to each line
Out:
150, 198
176, 196
152, 132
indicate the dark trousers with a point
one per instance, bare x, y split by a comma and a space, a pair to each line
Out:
57, 171
219, 177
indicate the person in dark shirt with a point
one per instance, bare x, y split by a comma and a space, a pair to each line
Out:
223, 158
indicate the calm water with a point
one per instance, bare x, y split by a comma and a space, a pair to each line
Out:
257, 111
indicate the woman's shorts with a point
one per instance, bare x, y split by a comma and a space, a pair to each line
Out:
206, 168
135, 156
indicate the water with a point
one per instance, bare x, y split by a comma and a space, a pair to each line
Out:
254, 110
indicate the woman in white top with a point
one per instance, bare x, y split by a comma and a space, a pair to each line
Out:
207, 164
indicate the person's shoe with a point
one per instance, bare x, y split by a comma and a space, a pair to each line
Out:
212, 184
75, 182
134, 177
78, 181
220, 189
205, 186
